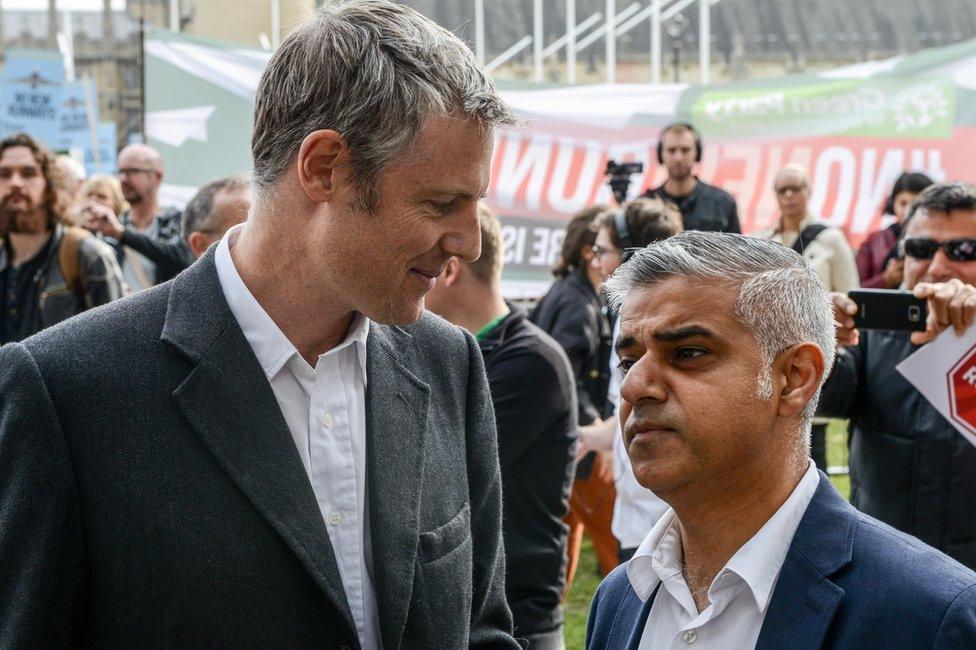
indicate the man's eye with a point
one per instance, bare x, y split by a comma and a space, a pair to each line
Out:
624, 365
685, 354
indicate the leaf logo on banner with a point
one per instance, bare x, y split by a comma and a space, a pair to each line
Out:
920, 106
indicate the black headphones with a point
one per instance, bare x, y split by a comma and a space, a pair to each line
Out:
623, 235
688, 125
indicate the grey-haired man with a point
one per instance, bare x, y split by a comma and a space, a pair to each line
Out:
288, 451
725, 341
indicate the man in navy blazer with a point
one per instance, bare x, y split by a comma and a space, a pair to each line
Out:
725, 342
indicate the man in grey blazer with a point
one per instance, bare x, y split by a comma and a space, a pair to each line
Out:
279, 448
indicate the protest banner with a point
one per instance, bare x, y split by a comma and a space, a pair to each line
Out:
855, 128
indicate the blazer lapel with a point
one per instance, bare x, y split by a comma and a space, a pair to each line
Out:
805, 600
396, 423
230, 405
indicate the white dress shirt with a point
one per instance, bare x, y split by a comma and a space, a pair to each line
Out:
636, 509
739, 595
325, 410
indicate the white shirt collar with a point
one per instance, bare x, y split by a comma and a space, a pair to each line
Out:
757, 562
271, 347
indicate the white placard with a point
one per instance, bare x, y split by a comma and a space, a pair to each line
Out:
929, 370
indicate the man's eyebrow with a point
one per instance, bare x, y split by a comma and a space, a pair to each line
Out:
625, 342
682, 333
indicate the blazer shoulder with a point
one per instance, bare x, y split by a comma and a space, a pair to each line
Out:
905, 564
614, 612
105, 332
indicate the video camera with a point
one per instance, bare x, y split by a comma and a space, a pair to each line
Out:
619, 177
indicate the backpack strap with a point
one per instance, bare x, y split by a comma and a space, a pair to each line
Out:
69, 258
807, 235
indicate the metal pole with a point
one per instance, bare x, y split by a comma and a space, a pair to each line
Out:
174, 15
704, 41
479, 31
66, 43
656, 41
142, 74
275, 23
611, 41
537, 39
571, 43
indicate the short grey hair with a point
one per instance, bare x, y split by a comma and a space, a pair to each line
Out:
782, 300
373, 71
198, 213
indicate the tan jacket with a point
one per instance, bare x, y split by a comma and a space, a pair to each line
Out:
829, 254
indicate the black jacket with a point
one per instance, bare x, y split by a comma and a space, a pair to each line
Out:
573, 314
165, 247
50, 299
535, 407
909, 467
151, 495
706, 208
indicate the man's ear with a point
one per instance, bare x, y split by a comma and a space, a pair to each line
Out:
452, 272
319, 157
198, 243
801, 367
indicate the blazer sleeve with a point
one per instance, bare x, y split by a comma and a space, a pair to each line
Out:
491, 620
42, 554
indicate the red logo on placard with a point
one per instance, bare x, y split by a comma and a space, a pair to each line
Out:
962, 390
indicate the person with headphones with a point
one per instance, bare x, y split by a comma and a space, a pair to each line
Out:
703, 206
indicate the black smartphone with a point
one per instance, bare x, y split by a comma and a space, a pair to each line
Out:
889, 309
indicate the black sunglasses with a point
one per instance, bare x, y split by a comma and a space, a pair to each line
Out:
923, 248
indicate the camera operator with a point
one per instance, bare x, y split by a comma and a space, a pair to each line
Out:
703, 206
909, 467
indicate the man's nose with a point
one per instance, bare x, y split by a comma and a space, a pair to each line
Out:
643, 381
464, 239
941, 268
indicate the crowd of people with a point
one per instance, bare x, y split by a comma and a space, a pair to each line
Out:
300, 410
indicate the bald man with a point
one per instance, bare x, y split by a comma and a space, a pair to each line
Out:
146, 237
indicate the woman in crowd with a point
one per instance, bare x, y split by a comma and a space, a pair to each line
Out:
877, 262
573, 314
104, 190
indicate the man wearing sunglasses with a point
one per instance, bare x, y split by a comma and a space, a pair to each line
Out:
909, 466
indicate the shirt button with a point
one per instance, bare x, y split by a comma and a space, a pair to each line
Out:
690, 636
335, 517
327, 420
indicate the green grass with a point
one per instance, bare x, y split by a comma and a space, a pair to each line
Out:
588, 575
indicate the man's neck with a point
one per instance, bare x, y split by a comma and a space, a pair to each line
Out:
717, 523
482, 305
143, 213
680, 187
277, 277
25, 246
791, 223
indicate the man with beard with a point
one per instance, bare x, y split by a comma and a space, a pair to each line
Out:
703, 206
146, 238
48, 271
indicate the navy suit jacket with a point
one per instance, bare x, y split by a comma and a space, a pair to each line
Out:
848, 581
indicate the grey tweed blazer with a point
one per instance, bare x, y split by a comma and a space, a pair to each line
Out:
151, 494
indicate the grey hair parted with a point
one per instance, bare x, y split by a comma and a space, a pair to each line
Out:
373, 71
782, 300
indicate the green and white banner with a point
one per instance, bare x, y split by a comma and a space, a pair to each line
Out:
855, 128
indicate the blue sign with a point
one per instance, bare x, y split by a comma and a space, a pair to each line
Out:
75, 128
106, 151
32, 85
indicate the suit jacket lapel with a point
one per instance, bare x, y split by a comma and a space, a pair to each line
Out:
230, 405
396, 423
805, 600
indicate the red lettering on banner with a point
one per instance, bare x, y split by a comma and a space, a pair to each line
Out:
541, 176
